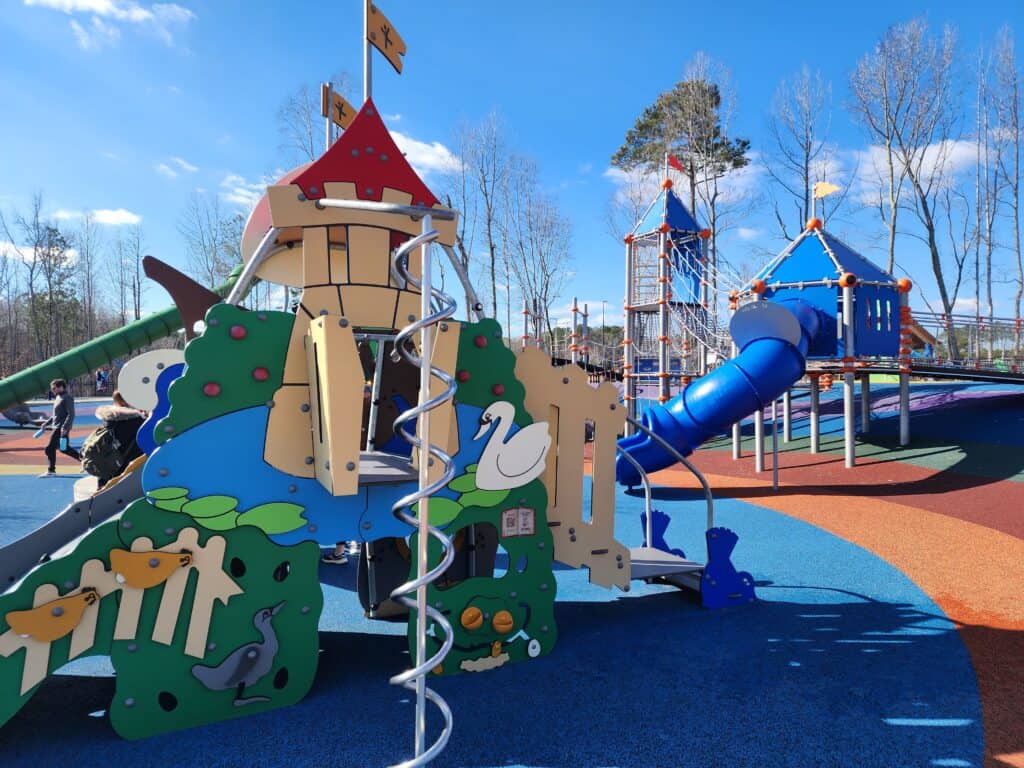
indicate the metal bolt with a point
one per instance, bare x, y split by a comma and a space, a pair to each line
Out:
314, 190
154, 562
57, 611
309, 459
145, 379
544, 628
367, 525
511, 594
369, 190
164, 472
304, 407
444, 326
271, 403
169, 429
343, 322
211, 646
132, 647
350, 466
618, 557
127, 525
69, 584
292, 488
572, 538
540, 545
305, 609
213, 321
312, 528
543, 587
129, 702
384, 158
159, 366
412, 318
612, 407
368, 150
323, 311
355, 153
261, 316
565, 379
169, 531
572, 530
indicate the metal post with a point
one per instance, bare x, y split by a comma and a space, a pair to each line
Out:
865, 403
787, 416
775, 447
904, 372
574, 348
848, 360
526, 325
815, 415
378, 376
737, 441
328, 123
586, 336
663, 278
367, 57
628, 320
759, 440
423, 515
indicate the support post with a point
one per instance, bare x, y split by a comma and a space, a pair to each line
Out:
367, 58
759, 440
865, 403
815, 414
905, 342
586, 336
663, 319
737, 441
787, 416
574, 347
328, 123
848, 377
775, 447
628, 321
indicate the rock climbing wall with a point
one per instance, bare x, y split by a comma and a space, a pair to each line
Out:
511, 617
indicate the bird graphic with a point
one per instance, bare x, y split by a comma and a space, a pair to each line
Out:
246, 665
514, 462
53, 620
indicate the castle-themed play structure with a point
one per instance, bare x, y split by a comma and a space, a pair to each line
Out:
370, 413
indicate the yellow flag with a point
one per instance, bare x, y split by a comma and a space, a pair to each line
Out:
824, 189
339, 110
384, 36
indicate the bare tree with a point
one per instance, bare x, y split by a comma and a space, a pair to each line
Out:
1007, 106
799, 125
212, 239
300, 122
88, 243
460, 196
538, 238
904, 95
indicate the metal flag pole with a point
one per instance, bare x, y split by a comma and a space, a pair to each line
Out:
328, 124
367, 54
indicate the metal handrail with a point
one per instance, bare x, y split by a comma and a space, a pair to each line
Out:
682, 460
648, 527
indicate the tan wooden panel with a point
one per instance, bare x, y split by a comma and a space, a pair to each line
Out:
563, 398
288, 210
336, 397
314, 256
295, 359
369, 255
36, 661
444, 431
408, 309
283, 268
290, 431
369, 307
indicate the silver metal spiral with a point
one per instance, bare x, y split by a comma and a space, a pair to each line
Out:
414, 679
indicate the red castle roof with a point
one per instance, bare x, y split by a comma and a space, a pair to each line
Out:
367, 156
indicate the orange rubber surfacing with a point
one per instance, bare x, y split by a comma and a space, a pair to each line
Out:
974, 573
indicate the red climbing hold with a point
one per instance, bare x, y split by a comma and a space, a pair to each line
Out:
260, 374
462, 376
211, 389
480, 341
498, 389
238, 332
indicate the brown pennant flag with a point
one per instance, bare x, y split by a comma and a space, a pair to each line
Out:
341, 112
384, 36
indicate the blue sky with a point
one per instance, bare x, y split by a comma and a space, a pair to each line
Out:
126, 106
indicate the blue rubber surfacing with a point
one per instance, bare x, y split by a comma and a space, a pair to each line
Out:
844, 662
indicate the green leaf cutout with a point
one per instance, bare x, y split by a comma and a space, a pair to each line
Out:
275, 517
209, 506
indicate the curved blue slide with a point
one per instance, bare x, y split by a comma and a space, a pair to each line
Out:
774, 339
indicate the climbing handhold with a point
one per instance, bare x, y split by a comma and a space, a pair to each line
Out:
211, 389
260, 373
53, 620
142, 570
503, 622
480, 341
472, 618
238, 332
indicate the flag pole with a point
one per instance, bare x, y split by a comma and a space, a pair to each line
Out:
367, 53
328, 126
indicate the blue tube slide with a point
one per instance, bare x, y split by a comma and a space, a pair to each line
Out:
774, 339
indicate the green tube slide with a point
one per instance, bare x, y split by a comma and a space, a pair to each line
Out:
103, 350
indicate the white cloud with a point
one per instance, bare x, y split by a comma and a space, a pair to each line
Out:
184, 165
392, 118
104, 15
748, 233
238, 190
98, 35
23, 253
166, 170
426, 157
586, 168
116, 217
65, 215
950, 157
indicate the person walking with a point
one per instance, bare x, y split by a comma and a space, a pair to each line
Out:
61, 421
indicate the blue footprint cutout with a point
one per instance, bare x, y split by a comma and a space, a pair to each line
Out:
722, 585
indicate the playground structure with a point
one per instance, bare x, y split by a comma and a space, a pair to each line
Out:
371, 414
368, 414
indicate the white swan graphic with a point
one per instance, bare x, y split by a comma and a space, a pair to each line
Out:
510, 464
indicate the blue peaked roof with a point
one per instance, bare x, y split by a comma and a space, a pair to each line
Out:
679, 218
808, 260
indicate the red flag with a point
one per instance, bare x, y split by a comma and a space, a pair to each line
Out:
674, 162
